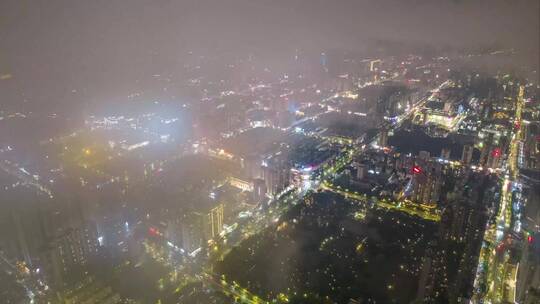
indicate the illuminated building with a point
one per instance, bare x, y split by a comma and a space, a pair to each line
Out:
276, 174
213, 222
23, 233
324, 61
527, 290
441, 119
424, 155
466, 156
494, 159
532, 144
221, 154
71, 248
299, 176
425, 282
129, 147
460, 233
201, 226
259, 190
251, 166
426, 189
361, 171
383, 138
443, 112
426, 185
373, 65
448, 107
445, 153
398, 165
29, 236
192, 233
173, 230
241, 184
90, 291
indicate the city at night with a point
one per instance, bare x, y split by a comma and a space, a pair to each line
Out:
270, 152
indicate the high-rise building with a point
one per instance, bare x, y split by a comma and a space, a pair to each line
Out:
426, 189
425, 281
22, 225
448, 107
424, 155
276, 175
70, 248
213, 222
173, 231
192, 233
494, 159
259, 189
445, 153
460, 233
427, 183
466, 156
361, 171
373, 65
29, 236
528, 279
383, 138
201, 226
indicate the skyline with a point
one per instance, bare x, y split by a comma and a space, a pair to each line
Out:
269, 152
63, 46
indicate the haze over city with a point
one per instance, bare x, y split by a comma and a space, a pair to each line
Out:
304, 151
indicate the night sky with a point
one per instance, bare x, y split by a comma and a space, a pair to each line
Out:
50, 47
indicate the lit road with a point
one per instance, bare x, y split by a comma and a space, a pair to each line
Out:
426, 212
233, 290
494, 272
24, 177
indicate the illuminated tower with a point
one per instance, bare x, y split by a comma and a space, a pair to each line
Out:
324, 62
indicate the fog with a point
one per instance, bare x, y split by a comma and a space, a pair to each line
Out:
53, 47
